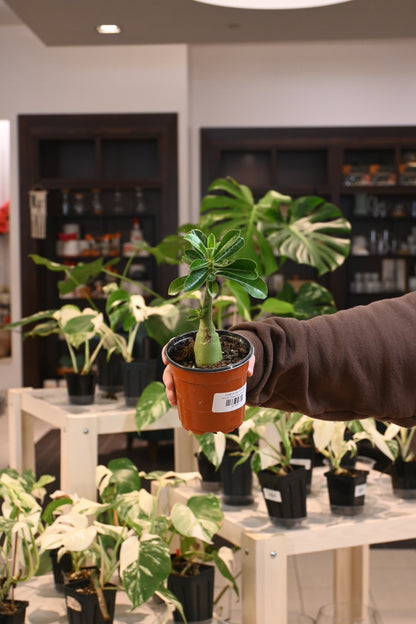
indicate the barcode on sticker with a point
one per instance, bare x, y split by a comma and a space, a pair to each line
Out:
229, 401
360, 490
272, 495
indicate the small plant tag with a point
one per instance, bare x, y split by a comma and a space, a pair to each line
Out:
72, 603
360, 490
302, 461
229, 401
272, 495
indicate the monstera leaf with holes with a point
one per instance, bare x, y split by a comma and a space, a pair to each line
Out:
308, 230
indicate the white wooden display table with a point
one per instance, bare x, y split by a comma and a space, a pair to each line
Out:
265, 547
80, 426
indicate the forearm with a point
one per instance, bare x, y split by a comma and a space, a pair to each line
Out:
353, 364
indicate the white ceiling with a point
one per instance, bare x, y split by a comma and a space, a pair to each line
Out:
72, 22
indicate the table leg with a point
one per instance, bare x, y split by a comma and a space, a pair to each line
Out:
21, 441
185, 449
79, 454
264, 579
352, 575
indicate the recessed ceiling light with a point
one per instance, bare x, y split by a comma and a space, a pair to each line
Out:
271, 4
108, 29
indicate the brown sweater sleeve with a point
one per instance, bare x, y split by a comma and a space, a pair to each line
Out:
355, 363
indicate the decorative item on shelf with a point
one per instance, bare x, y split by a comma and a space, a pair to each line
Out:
96, 203
382, 175
78, 205
140, 205
119, 205
359, 246
4, 217
65, 205
38, 212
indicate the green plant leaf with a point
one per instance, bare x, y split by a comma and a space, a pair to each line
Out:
177, 285
152, 405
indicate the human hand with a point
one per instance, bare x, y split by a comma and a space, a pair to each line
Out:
170, 385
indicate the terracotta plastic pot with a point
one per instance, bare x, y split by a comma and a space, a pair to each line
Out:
210, 400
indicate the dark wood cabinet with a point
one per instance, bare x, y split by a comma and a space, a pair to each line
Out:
370, 173
102, 173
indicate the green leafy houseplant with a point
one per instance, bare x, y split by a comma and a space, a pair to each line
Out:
147, 555
20, 525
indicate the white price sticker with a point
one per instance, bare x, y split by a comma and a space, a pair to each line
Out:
229, 401
272, 495
302, 461
360, 490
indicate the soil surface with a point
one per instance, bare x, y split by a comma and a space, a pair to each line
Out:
233, 351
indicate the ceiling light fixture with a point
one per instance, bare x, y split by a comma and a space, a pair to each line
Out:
272, 4
108, 29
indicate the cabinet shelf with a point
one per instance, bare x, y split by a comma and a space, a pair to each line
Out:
116, 154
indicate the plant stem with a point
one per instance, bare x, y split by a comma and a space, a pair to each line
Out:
207, 343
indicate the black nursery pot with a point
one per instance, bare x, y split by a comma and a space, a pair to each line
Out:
83, 608
60, 568
211, 477
195, 593
347, 491
18, 616
237, 481
136, 376
110, 372
81, 388
403, 478
285, 495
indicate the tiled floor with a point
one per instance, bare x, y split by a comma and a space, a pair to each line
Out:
392, 575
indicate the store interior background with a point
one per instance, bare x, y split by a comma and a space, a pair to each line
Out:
338, 80
331, 82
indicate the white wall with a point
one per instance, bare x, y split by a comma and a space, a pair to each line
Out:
104, 79
300, 84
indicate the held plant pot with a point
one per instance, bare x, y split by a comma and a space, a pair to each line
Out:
13, 617
285, 495
210, 399
347, 491
81, 388
83, 607
195, 592
403, 478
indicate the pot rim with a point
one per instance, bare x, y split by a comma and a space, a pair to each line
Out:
221, 332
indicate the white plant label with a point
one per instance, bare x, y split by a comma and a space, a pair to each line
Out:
73, 604
302, 461
229, 401
272, 495
360, 490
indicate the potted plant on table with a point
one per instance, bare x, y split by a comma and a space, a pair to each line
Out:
335, 440
400, 441
210, 367
20, 524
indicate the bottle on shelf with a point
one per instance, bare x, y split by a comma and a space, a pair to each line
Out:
136, 232
97, 206
65, 202
140, 203
119, 206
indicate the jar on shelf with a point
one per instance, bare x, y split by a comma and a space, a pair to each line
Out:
65, 207
119, 205
96, 203
78, 205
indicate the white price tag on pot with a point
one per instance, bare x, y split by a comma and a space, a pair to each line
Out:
73, 604
360, 490
272, 495
302, 461
229, 401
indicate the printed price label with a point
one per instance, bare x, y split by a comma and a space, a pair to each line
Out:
272, 495
360, 490
302, 461
229, 401
73, 604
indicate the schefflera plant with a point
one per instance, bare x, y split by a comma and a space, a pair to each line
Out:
210, 259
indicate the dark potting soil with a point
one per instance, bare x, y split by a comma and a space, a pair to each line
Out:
233, 351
